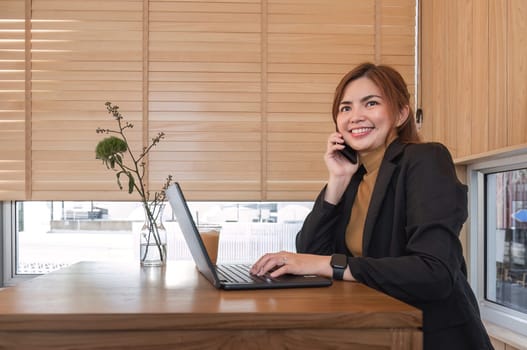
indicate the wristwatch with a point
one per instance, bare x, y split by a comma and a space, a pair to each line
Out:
339, 263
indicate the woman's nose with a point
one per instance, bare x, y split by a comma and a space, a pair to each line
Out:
356, 115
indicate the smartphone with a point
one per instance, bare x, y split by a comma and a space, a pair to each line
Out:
349, 153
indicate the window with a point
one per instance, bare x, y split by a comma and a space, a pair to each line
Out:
506, 234
498, 239
42, 236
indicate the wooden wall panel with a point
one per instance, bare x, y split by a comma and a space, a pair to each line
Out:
435, 67
462, 73
473, 74
426, 73
498, 75
517, 69
479, 108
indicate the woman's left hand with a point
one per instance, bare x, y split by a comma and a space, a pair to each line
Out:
277, 264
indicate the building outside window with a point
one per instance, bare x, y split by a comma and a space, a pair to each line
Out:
498, 239
506, 235
42, 236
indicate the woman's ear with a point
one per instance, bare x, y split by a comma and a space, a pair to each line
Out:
403, 115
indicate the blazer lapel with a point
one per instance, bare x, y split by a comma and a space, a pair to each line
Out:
384, 178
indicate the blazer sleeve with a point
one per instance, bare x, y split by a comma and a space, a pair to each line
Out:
430, 207
317, 235
323, 230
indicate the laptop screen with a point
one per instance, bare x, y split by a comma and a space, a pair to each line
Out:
191, 234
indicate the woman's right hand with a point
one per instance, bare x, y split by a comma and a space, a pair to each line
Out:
340, 168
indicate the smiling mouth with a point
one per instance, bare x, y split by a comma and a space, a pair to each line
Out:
361, 131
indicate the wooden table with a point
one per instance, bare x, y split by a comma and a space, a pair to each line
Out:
118, 306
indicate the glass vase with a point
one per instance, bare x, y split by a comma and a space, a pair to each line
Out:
153, 239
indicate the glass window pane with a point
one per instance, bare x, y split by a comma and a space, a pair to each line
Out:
506, 239
52, 234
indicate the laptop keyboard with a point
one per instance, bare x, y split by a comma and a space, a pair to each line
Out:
238, 273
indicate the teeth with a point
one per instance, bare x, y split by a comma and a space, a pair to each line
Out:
360, 131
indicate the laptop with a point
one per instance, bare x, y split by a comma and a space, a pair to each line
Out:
229, 276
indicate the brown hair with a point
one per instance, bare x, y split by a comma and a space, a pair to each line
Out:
394, 89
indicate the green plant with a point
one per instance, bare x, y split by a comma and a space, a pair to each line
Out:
115, 153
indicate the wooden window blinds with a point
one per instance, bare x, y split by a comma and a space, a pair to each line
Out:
242, 89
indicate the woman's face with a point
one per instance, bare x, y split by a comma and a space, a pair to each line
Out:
364, 117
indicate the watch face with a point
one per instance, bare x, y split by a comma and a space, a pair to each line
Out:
339, 260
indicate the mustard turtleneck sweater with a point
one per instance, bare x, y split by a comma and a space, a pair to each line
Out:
355, 229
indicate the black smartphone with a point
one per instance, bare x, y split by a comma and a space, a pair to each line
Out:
349, 153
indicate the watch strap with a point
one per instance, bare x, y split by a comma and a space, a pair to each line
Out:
339, 263
338, 273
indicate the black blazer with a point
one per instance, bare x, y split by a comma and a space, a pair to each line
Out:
411, 247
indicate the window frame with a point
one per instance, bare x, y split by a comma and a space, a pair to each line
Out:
8, 255
477, 260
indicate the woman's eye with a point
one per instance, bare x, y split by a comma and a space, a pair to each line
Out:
345, 109
371, 103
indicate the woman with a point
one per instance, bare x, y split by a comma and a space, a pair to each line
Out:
392, 220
